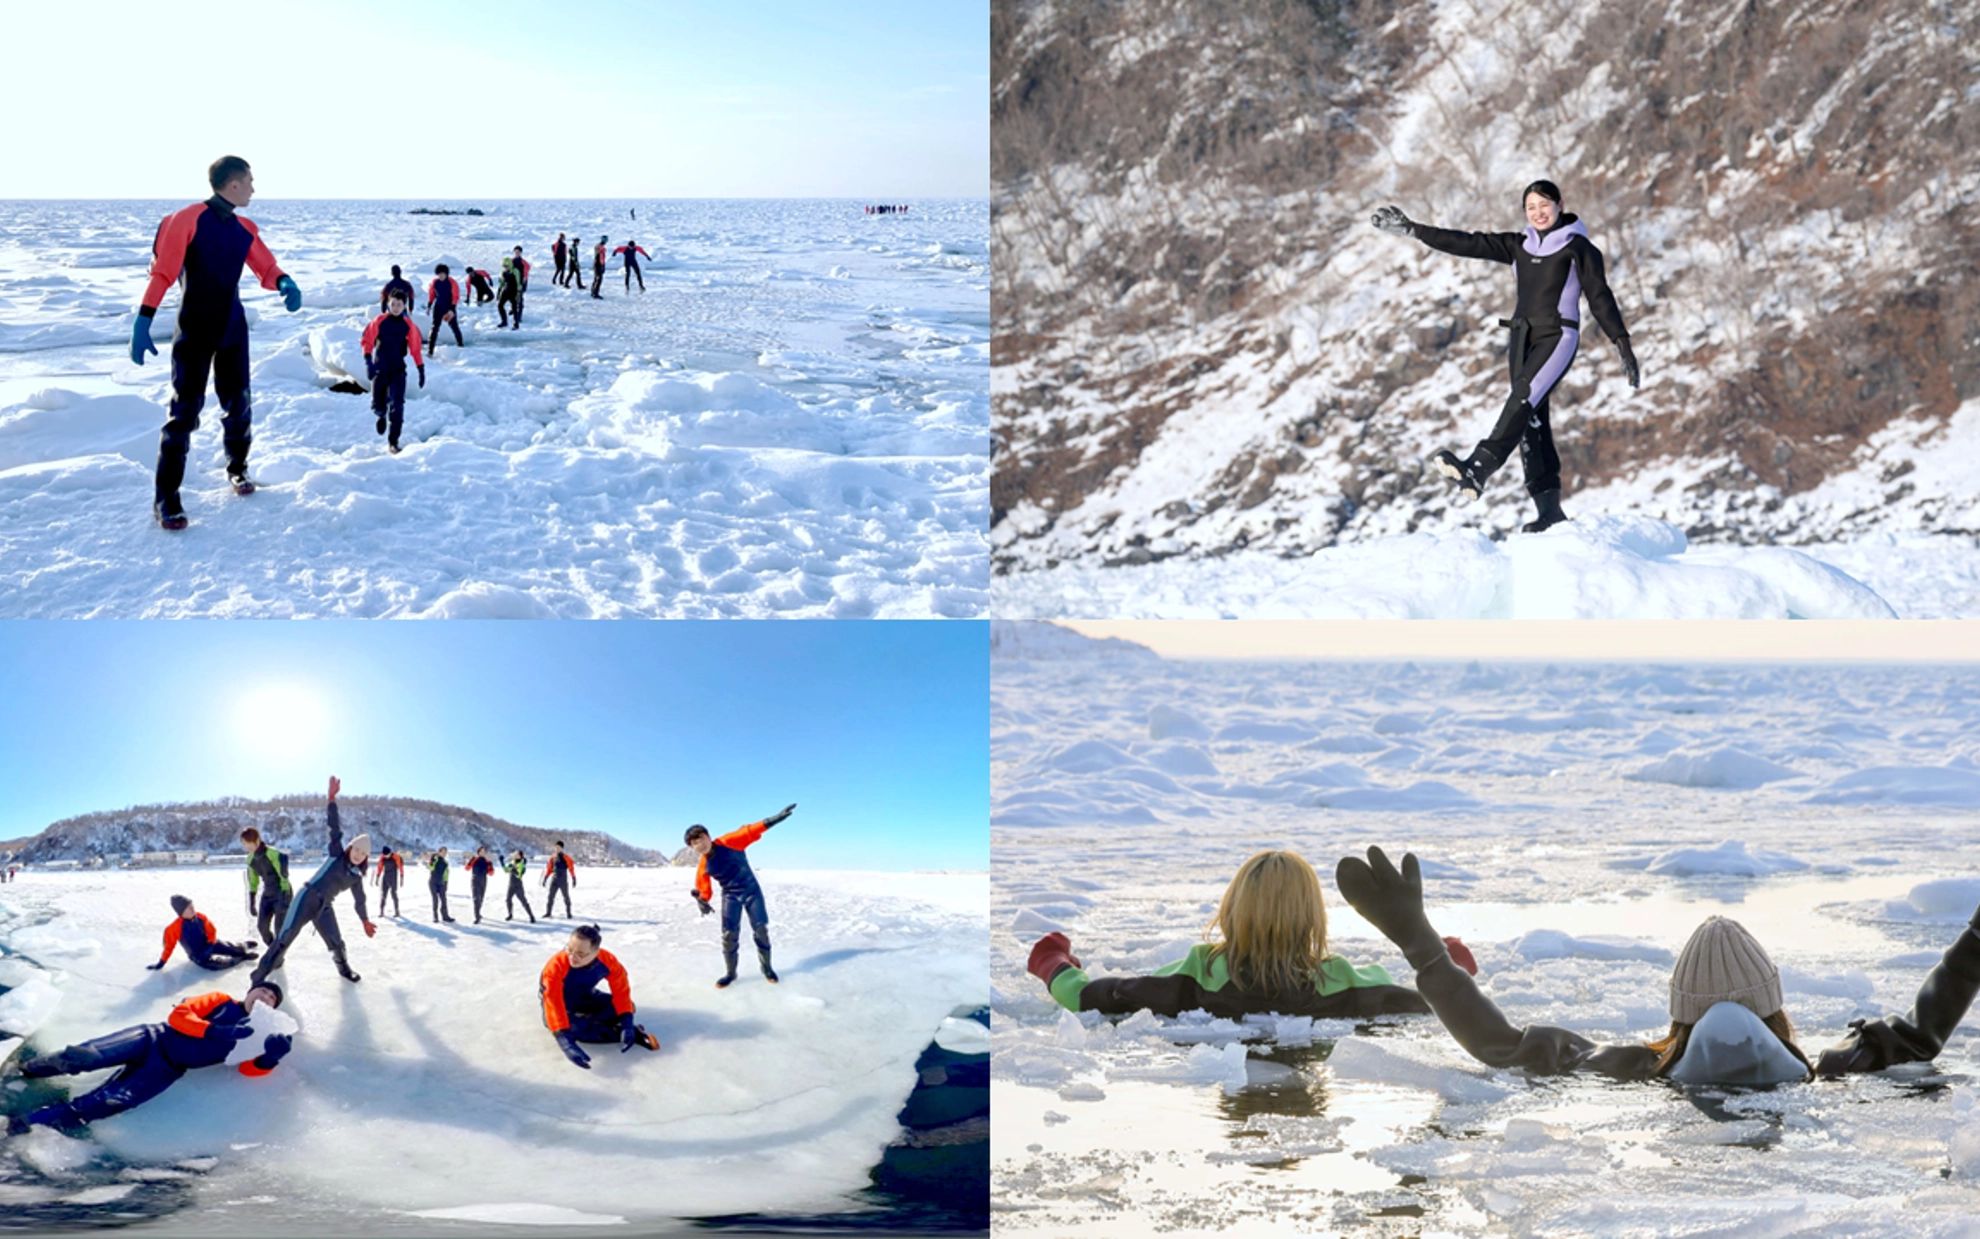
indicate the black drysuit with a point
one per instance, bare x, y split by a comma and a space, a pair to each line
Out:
479, 867
312, 903
515, 869
268, 874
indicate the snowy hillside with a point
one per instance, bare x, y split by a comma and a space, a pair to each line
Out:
295, 823
1011, 639
1202, 349
429, 1097
790, 421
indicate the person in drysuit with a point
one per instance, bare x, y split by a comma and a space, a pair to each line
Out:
573, 1008
509, 299
1270, 956
559, 250
191, 929
436, 885
561, 874
1556, 265
390, 873
443, 297
481, 284
342, 870
397, 284
632, 250
598, 269
208, 1030
267, 878
479, 867
1728, 1024
516, 866
202, 248
722, 860
387, 342
576, 279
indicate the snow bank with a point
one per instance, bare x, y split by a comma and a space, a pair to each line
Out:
1933, 786
1726, 767
1553, 944
1733, 858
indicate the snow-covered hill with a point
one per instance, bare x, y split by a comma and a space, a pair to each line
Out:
1010, 639
296, 823
1202, 349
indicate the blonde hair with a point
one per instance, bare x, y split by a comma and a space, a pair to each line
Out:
1273, 924
1670, 1049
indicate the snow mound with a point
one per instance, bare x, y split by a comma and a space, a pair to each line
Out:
69, 425
1944, 899
1594, 567
1553, 944
1169, 723
1946, 786
1726, 767
1733, 858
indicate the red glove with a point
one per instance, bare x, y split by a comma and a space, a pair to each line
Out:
1461, 955
371, 930
1049, 954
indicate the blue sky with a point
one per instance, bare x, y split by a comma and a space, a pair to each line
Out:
878, 730
881, 100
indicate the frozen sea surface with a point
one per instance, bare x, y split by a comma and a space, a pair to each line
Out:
430, 1090
1830, 809
793, 420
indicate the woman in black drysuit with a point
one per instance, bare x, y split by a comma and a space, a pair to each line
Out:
1556, 265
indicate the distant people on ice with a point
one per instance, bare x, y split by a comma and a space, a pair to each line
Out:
1556, 265
632, 250
397, 284
895, 209
598, 269
559, 251
206, 1031
723, 860
342, 870
479, 867
516, 867
387, 342
191, 929
576, 1012
391, 872
481, 284
436, 885
561, 875
267, 876
202, 248
443, 297
576, 277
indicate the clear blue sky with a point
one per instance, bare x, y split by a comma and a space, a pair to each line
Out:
881, 100
878, 730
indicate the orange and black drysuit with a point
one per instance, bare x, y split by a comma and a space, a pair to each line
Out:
725, 863
400, 286
598, 269
200, 1032
561, 874
202, 943
443, 296
479, 867
202, 249
390, 872
386, 343
574, 1010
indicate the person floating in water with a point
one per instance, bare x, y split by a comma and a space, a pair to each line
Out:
191, 929
576, 1012
202, 248
723, 861
1556, 266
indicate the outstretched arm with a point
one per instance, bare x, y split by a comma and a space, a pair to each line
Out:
1602, 304
1494, 246
1919, 1035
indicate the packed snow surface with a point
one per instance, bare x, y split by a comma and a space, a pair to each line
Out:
432, 1088
1574, 883
792, 420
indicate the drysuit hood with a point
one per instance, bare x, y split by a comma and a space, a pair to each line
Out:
1538, 242
1730, 1045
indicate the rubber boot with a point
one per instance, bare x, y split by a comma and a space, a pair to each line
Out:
344, 969
1549, 504
1467, 473
763, 962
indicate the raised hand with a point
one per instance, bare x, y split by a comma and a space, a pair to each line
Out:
1391, 220
1391, 900
335, 784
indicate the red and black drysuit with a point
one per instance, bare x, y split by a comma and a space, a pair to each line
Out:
598, 270
632, 253
481, 284
561, 874
479, 867
558, 251
387, 342
444, 296
202, 249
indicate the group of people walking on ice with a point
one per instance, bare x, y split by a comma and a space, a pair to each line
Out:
584, 992
202, 249
1728, 1019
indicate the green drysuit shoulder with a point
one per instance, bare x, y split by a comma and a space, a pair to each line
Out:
1206, 965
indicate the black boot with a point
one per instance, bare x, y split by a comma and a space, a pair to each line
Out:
1549, 504
763, 962
344, 970
1466, 473
169, 513
238, 479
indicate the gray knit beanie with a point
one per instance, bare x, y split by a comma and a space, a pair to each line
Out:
1723, 963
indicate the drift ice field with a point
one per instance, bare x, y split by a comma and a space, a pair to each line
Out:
1576, 822
793, 420
430, 1095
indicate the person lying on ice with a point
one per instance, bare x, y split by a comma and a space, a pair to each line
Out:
1270, 955
343, 870
391, 338
205, 1031
1556, 265
723, 860
1728, 1025
191, 929
573, 1008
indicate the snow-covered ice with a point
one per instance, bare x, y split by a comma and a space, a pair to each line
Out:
1573, 882
431, 1089
792, 421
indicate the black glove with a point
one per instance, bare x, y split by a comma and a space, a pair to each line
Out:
706, 907
1390, 901
1391, 220
1630, 370
422, 376
569, 1046
628, 1036
234, 1032
370, 367
274, 1048
778, 816
154, 967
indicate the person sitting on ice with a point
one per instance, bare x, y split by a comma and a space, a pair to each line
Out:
723, 860
573, 1008
205, 1031
191, 929
342, 870
387, 342
1728, 1024
1270, 954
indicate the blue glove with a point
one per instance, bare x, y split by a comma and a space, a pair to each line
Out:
569, 1046
291, 295
628, 1038
141, 340
370, 367
154, 967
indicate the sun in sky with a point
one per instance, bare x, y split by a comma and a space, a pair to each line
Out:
281, 726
